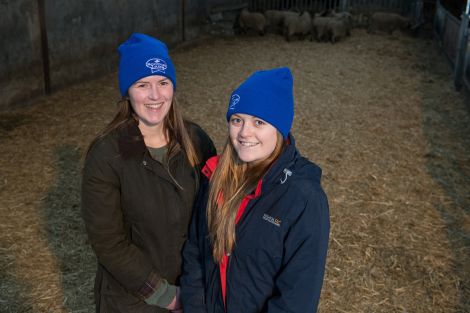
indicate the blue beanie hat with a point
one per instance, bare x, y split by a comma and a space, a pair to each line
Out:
267, 95
142, 56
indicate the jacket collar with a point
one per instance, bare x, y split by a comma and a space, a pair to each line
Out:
130, 140
291, 165
279, 170
210, 166
282, 168
132, 145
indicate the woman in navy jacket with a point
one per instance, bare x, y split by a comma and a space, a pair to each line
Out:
259, 234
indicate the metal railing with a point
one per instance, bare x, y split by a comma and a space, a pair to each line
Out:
451, 35
299, 5
404, 7
446, 31
411, 8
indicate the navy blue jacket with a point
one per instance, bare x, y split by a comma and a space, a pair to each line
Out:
278, 261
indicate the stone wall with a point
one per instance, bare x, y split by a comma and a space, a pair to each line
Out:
82, 37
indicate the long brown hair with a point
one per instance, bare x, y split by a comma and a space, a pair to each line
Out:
230, 182
174, 127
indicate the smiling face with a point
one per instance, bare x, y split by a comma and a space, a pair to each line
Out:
253, 139
151, 99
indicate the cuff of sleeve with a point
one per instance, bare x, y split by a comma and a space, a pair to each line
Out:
163, 295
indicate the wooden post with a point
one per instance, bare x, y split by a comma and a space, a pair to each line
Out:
183, 18
462, 48
44, 47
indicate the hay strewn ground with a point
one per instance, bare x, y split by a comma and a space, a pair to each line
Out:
378, 113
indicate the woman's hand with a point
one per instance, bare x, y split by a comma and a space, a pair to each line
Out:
175, 305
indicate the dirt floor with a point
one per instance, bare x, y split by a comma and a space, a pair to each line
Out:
378, 113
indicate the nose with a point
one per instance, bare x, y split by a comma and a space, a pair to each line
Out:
245, 130
154, 92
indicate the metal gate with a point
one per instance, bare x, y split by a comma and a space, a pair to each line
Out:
404, 7
446, 30
295, 5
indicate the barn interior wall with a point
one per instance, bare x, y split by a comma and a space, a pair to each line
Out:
82, 38
21, 74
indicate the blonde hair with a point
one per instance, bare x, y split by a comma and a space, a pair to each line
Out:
230, 182
174, 127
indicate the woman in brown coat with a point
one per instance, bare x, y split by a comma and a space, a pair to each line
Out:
140, 179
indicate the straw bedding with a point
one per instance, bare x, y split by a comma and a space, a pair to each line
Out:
378, 113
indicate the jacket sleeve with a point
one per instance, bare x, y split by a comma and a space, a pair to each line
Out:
192, 279
298, 286
103, 216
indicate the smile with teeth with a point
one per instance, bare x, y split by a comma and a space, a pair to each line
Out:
247, 144
153, 106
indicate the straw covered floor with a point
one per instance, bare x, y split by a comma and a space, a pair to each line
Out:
378, 113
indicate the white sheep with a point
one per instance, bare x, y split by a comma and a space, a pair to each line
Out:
387, 22
297, 25
252, 20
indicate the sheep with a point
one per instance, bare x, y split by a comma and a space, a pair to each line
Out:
301, 25
388, 22
332, 27
320, 28
252, 20
274, 20
360, 15
338, 28
288, 15
346, 17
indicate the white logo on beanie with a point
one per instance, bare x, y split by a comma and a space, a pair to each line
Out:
235, 99
156, 65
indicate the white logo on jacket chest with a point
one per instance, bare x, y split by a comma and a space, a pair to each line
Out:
272, 220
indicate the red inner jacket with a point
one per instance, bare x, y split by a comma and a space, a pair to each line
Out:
208, 169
